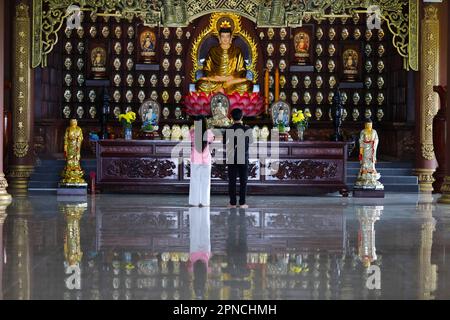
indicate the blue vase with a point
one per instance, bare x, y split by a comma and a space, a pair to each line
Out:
128, 133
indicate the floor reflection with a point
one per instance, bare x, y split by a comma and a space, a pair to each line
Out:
139, 248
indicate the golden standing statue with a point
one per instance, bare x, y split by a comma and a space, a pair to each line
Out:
224, 67
72, 174
73, 213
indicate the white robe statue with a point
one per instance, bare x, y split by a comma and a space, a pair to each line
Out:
368, 176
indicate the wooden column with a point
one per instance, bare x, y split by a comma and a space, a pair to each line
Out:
4, 196
445, 198
21, 158
429, 76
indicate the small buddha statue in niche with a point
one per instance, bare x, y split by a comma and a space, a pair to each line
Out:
224, 66
147, 42
350, 62
98, 60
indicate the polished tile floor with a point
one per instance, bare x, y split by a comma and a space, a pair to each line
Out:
155, 247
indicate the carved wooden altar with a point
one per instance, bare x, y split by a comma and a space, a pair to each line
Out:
139, 166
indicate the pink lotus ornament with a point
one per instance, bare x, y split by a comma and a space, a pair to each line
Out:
197, 103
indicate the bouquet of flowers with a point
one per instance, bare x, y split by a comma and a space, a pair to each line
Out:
127, 119
301, 119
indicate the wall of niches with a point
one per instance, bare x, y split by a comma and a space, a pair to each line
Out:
312, 84
378, 88
127, 80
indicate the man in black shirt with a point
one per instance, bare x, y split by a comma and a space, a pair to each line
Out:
237, 138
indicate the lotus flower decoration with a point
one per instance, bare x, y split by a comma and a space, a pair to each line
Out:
198, 103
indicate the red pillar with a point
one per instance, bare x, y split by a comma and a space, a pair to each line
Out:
21, 153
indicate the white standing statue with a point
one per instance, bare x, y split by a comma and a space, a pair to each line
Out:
368, 143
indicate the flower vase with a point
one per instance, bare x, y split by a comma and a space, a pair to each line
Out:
301, 132
128, 133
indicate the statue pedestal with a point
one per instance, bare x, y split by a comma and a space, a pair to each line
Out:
368, 193
71, 190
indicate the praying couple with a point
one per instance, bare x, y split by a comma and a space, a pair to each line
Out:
237, 144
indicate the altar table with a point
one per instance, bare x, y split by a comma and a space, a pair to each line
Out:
284, 168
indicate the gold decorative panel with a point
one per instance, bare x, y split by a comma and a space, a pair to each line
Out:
401, 16
21, 81
429, 78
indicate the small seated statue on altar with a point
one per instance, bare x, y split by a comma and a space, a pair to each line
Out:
149, 112
224, 67
368, 143
219, 110
149, 119
72, 174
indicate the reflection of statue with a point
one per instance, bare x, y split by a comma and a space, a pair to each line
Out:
224, 67
237, 247
72, 173
367, 216
368, 143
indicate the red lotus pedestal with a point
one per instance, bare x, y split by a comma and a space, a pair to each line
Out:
198, 103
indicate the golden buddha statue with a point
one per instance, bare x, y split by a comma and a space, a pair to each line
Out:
224, 67
72, 174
